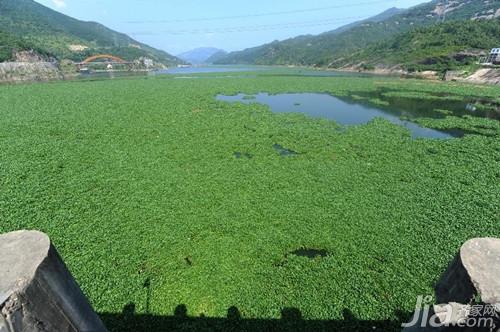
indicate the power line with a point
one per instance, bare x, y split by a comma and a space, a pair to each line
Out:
298, 11
290, 25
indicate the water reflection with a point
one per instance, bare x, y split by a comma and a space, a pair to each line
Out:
344, 111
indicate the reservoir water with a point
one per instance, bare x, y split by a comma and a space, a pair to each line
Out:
343, 111
210, 69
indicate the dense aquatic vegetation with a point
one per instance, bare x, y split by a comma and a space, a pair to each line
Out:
159, 196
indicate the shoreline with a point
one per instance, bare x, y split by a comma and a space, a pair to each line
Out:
35, 72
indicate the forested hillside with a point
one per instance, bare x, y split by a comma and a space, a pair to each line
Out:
200, 55
325, 49
10, 43
216, 57
439, 47
69, 38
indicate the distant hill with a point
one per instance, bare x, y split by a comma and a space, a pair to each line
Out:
216, 57
330, 47
438, 47
68, 38
200, 55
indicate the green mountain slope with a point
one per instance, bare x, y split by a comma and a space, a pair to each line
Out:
439, 47
310, 50
199, 55
69, 38
10, 42
322, 50
216, 57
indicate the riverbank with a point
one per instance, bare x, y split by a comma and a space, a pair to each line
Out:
29, 72
481, 76
31, 67
41, 71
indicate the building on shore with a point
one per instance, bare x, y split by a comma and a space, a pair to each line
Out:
493, 57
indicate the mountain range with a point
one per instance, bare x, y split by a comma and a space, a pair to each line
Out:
202, 55
437, 35
26, 24
335, 48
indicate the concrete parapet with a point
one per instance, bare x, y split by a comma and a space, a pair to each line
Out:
37, 292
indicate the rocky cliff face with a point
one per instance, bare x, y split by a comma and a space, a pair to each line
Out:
485, 75
28, 71
28, 56
29, 66
481, 76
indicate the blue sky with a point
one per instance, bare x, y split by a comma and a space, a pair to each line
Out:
180, 25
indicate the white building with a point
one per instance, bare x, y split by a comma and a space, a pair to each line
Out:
494, 56
148, 63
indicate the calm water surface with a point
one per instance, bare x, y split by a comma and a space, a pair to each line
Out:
215, 69
211, 69
344, 111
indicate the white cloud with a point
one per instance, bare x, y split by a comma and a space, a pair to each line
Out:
59, 3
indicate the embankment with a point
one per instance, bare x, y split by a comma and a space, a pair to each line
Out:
485, 75
29, 71
481, 76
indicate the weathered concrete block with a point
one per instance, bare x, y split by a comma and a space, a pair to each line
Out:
37, 292
475, 270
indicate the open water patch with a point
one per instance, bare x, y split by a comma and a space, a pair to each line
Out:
284, 152
240, 155
310, 253
343, 110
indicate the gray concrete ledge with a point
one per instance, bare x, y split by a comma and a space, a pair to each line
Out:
37, 292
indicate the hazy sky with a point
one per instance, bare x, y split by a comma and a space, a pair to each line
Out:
181, 25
